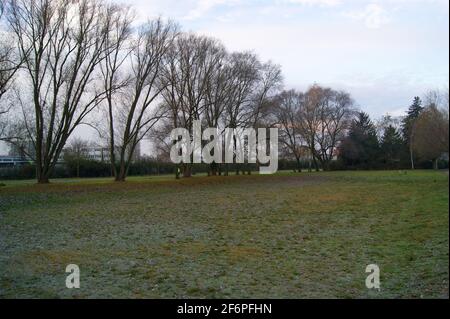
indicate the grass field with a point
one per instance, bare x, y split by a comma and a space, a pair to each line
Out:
282, 236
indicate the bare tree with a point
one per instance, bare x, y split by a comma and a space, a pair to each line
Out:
193, 61
286, 111
310, 120
244, 78
245, 68
134, 110
62, 44
76, 151
118, 39
9, 65
436, 98
161, 141
335, 116
217, 96
431, 130
324, 119
268, 84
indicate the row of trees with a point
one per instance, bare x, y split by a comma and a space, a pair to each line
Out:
312, 124
422, 135
323, 125
67, 63
72, 57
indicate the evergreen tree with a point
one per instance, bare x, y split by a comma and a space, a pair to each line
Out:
361, 148
409, 121
391, 147
412, 115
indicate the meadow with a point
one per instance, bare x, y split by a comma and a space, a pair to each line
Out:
289, 235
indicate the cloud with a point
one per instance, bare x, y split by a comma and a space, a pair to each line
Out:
317, 41
439, 2
203, 7
373, 15
328, 3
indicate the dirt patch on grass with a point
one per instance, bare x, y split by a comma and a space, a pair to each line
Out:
48, 261
239, 253
81, 188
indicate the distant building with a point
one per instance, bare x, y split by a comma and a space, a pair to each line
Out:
102, 154
18, 155
9, 161
98, 154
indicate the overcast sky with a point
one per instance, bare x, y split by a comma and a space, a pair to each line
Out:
383, 52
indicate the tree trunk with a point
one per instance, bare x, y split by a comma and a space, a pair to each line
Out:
187, 170
213, 169
316, 165
299, 166
121, 175
411, 153
436, 164
43, 180
41, 173
177, 172
125, 161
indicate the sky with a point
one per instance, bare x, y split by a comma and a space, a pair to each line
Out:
383, 52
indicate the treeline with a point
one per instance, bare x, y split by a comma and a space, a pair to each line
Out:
68, 63
420, 139
322, 124
74, 57
84, 168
